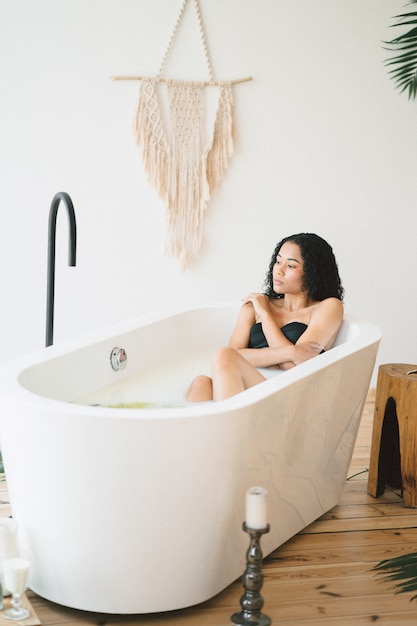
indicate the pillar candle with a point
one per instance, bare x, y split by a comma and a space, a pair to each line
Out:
256, 509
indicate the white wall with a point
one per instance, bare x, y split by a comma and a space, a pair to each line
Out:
324, 143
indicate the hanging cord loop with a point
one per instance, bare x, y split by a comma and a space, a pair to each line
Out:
211, 81
202, 34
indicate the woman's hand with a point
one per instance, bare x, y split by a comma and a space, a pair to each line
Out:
300, 353
303, 351
261, 304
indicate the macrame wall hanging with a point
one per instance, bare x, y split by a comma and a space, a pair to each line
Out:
181, 164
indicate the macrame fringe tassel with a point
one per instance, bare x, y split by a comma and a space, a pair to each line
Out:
186, 214
222, 147
151, 138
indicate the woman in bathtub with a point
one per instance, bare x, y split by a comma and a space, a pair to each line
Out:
296, 318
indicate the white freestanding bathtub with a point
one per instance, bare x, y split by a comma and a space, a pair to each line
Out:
141, 510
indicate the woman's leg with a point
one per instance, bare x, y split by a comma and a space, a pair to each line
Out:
231, 374
200, 390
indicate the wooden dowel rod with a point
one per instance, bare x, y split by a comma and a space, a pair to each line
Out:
208, 83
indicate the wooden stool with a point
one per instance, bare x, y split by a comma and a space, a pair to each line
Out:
394, 436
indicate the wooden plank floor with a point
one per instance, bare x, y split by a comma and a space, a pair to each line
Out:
321, 577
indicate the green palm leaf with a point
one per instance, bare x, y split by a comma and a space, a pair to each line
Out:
404, 64
401, 571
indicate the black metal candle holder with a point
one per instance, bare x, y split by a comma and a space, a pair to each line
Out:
252, 601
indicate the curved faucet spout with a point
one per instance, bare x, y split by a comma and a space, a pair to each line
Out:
72, 242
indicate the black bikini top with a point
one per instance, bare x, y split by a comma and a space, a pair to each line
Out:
292, 331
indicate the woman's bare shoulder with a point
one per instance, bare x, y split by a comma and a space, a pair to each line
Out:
331, 305
328, 312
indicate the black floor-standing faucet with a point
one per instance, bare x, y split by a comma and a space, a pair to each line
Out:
72, 243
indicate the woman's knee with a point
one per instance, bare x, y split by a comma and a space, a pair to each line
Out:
224, 358
200, 389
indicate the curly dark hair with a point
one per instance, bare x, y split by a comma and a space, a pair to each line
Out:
321, 275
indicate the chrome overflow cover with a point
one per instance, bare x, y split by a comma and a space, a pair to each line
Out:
118, 359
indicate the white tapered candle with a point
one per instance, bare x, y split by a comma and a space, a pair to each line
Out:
256, 508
